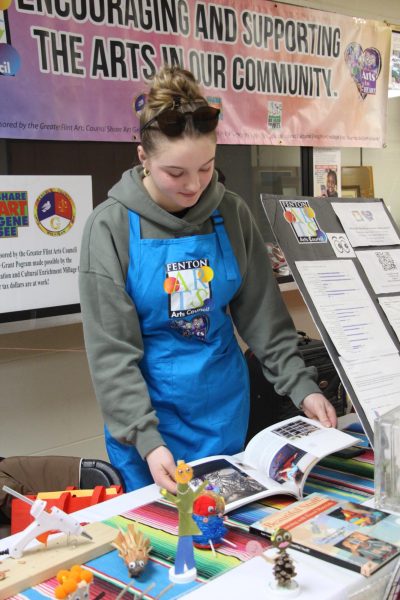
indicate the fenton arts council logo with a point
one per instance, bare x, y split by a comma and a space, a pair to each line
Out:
302, 219
54, 212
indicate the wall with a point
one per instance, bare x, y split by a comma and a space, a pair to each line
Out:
47, 401
385, 162
387, 10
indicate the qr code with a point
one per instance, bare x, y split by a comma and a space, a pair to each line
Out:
386, 261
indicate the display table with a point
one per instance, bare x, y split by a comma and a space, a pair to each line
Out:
250, 579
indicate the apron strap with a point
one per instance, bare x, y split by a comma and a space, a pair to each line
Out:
134, 241
225, 244
135, 225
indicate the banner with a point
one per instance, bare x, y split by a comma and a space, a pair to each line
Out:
41, 224
78, 69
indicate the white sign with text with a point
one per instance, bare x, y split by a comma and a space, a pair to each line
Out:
41, 225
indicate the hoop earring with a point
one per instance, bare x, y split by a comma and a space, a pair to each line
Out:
146, 172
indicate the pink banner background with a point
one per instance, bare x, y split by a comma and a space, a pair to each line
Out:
47, 100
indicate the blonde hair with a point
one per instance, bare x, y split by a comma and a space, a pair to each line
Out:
168, 85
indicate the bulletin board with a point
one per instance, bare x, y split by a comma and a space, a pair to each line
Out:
344, 255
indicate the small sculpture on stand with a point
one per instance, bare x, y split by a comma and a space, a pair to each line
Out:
134, 549
284, 569
284, 585
184, 569
208, 511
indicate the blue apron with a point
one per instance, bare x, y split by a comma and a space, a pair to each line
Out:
194, 369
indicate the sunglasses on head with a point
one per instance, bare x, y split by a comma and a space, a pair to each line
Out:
172, 121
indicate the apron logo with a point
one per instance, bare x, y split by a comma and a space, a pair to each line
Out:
196, 327
188, 285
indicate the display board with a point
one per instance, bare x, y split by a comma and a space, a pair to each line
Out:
345, 258
41, 225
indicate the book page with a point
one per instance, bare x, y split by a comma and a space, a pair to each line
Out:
276, 461
287, 451
237, 483
290, 467
302, 433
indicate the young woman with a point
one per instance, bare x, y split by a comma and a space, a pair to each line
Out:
168, 262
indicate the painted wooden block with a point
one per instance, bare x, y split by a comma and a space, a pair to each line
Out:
41, 563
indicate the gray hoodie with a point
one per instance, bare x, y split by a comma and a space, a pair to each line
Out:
111, 326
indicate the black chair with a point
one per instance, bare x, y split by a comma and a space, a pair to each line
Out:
98, 472
92, 473
266, 406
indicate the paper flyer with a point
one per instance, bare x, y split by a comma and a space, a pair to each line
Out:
327, 179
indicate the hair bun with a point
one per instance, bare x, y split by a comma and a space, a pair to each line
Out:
170, 82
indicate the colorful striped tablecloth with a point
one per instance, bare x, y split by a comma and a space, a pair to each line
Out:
343, 479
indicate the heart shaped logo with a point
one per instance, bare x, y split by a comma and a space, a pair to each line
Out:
364, 66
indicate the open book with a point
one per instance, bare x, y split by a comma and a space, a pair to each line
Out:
276, 461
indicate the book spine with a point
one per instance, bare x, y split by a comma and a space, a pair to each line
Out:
260, 532
312, 552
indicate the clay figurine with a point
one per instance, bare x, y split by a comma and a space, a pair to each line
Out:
134, 548
73, 584
208, 511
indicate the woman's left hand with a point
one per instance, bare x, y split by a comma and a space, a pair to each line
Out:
316, 406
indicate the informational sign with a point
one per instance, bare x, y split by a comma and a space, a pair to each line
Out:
280, 74
366, 223
41, 225
345, 308
341, 282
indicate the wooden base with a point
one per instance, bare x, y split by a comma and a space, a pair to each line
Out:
42, 563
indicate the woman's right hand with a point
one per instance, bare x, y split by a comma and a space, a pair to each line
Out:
162, 468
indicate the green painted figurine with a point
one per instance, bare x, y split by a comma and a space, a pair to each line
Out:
184, 569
